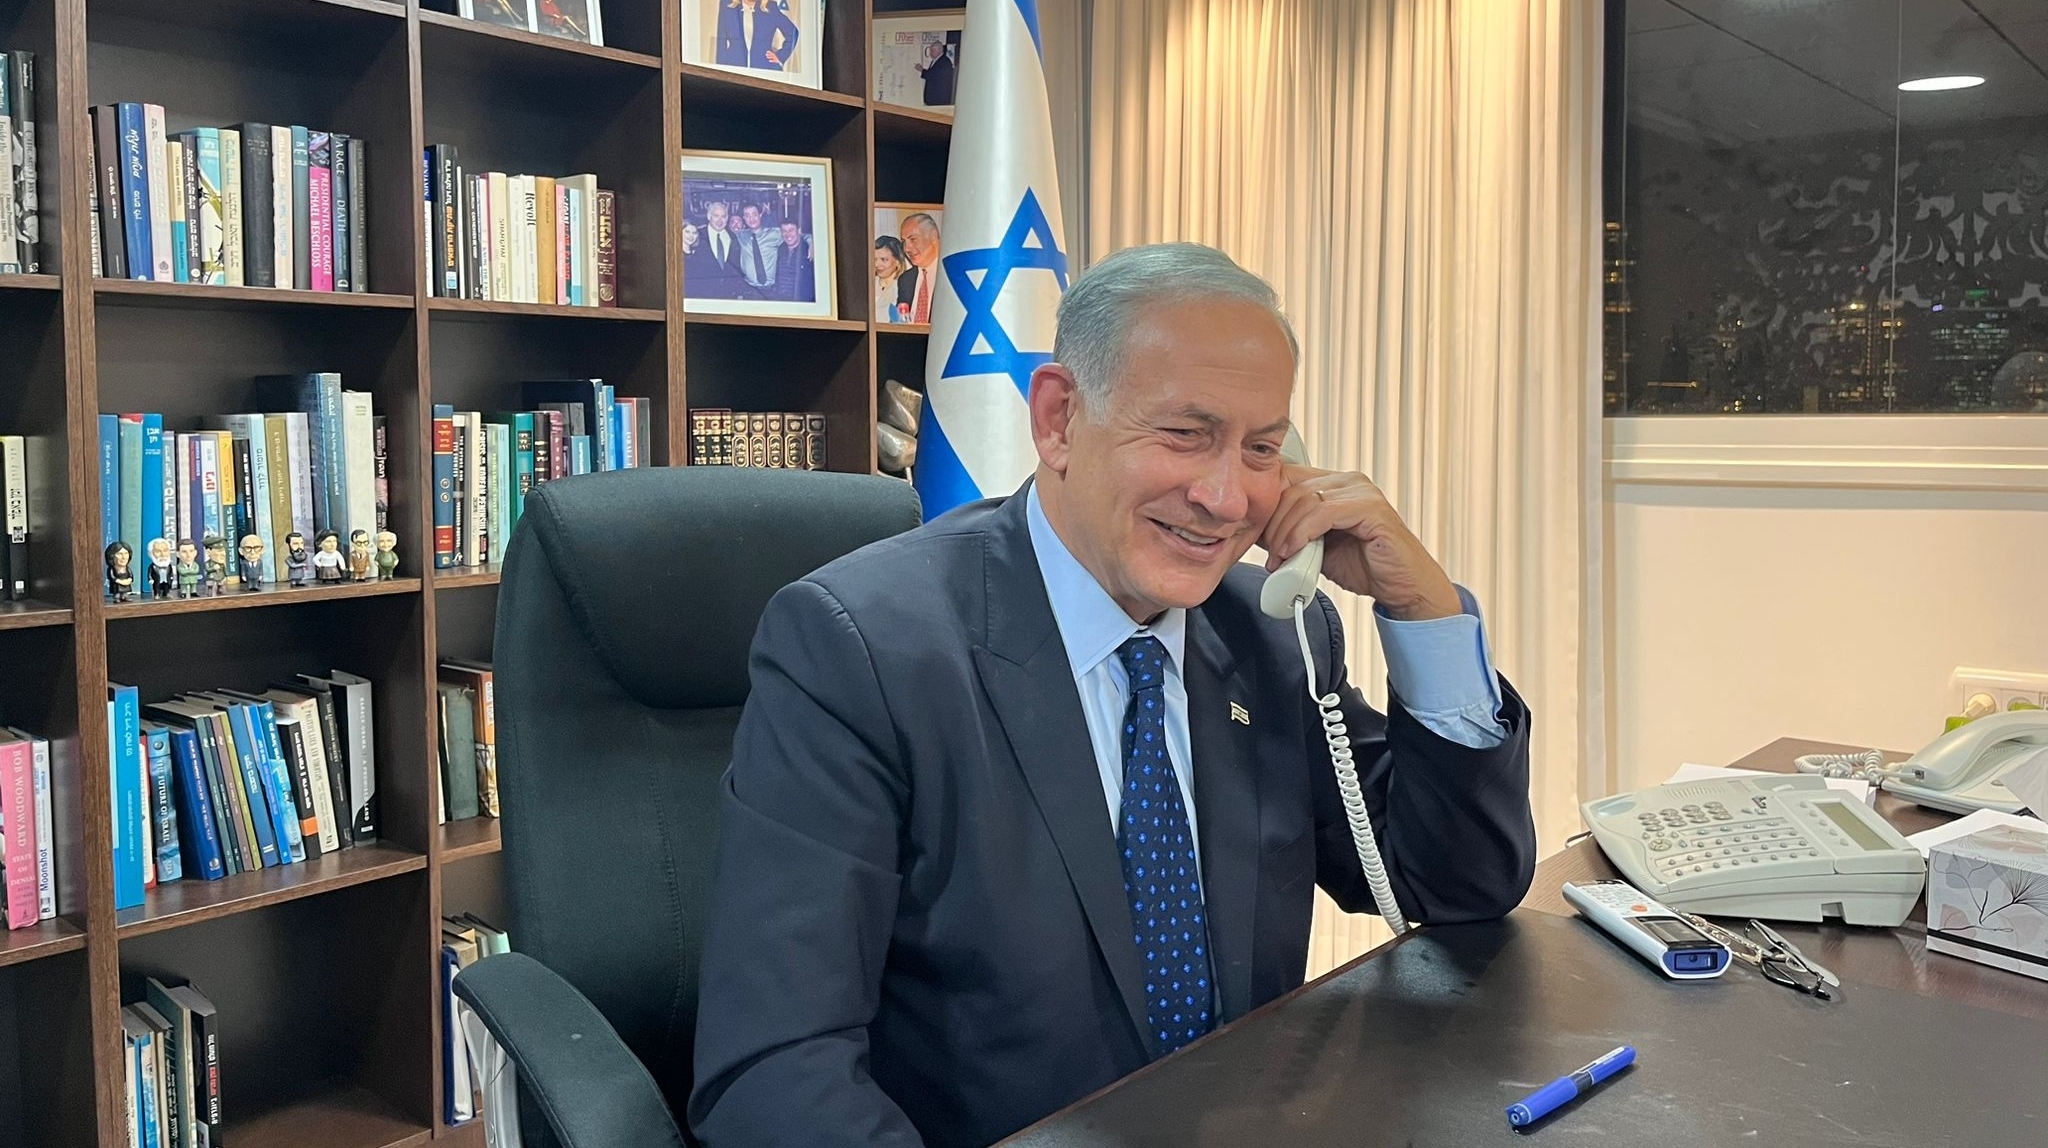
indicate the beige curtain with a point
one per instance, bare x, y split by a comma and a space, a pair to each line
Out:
1420, 180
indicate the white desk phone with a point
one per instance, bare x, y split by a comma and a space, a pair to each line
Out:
1789, 848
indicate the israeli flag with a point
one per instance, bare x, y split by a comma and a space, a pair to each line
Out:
1002, 270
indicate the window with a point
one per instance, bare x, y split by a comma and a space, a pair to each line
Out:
1788, 231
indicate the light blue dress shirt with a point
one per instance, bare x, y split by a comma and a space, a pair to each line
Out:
1441, 668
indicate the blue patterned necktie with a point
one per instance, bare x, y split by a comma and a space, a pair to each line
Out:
1158, 848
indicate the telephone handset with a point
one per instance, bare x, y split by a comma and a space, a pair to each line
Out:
1287, 594
1295, 581
1963, 770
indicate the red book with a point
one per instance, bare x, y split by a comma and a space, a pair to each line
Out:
18, 808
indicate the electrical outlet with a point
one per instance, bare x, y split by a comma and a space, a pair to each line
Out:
2000, 687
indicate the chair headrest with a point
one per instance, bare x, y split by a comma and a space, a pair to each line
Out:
666, 570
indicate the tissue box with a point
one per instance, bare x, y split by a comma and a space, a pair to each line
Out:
1987, 899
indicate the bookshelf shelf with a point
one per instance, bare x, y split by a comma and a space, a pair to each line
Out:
776, 322
903, 330
471, 837
912, 126
235, 13
30, 282
342, 1118
235, 598
512, 44
711, 89
487, 309
189, 902
30, 614
461, 576
19, 946
148, 293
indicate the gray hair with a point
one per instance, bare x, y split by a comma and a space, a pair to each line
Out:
1097, 312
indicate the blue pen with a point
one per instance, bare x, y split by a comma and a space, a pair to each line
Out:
1565, 1089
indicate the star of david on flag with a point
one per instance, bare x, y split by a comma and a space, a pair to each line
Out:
1003, 268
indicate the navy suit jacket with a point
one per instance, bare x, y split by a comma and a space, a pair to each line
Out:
919, 931
733, 49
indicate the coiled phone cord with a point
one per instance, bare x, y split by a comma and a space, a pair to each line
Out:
1348, 787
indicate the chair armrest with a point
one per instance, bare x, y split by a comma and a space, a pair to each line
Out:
571, 1063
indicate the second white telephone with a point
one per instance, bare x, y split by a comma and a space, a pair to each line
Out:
1963, 770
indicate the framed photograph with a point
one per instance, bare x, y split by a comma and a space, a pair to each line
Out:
757, 235
917, 58
780, 40
578, 20
906, 261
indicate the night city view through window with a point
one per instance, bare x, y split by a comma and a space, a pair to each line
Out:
1787, 231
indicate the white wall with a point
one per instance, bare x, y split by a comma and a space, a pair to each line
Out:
1816, 578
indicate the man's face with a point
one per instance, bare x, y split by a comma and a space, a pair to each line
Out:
1168, 482
921, 243
792, 235
714, 215
252, 549
159, 551
752, 214
187, 552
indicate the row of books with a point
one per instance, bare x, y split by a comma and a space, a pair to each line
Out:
14, 517
21, 223
485, 464
518, 238
466, 696
311, 459
170, 1045
256, 205
218, 782
28, 863
782, 440
465, 1079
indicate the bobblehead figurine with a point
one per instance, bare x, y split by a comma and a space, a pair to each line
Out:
162, 569
251, 551
188, 569
297, 562
359, 560
327, 560
120, 579
387, 555
213, 575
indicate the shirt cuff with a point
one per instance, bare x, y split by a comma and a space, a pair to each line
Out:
1442, 668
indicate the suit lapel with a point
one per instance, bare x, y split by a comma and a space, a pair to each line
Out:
1030, 686
1226, 805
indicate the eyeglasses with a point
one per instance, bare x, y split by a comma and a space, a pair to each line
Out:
1778, 959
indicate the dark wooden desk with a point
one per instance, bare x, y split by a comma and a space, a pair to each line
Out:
1895, 958
1405, 1043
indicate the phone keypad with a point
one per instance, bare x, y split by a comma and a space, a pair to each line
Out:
1716, 840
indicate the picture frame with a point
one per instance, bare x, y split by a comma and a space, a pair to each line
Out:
739, 211
905, 71
902, 239
578, 20
716, 35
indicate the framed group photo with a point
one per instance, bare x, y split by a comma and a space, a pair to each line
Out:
578, 20
906, 261
757, 235
779, 40
917, 58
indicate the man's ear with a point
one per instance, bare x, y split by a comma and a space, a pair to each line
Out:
1055, 402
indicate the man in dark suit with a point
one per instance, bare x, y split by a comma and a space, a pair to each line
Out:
938, 73
713, 270
1035, 794
919, 281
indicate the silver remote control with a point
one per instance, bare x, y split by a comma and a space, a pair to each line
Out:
1652, 931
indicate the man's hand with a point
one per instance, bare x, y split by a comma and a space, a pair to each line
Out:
1367, 548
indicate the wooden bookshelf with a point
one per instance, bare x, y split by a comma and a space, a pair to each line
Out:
326, 974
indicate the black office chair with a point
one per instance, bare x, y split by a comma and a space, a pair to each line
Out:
628, 604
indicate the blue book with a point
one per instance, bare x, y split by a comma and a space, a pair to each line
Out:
249, 755
445, 545
579, 454
619, 432
169, 862
110, 479
124, 767
213, 267
195, 805
135, 228
318, 397
278, 772
130, 485
182, 270
152, 488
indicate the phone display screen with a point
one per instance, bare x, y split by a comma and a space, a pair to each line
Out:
1852, 825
